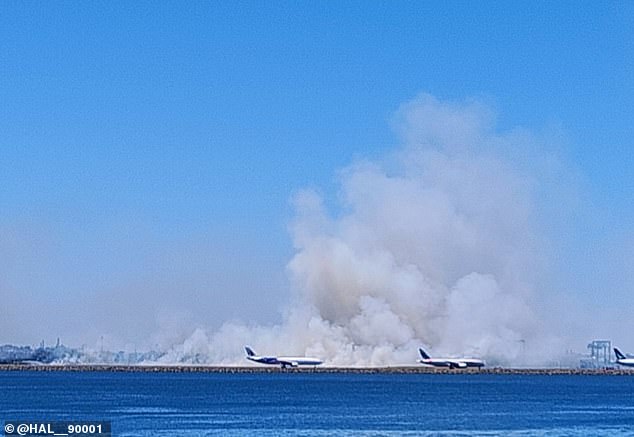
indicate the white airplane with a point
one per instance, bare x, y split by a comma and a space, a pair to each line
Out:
622, 359
452, 363
282, 361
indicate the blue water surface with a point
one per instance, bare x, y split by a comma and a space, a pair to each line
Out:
307, 404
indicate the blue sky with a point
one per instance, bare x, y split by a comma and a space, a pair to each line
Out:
135, 135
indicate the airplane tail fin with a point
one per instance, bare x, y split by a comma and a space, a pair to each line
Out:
249, 351
423, 353
619, 354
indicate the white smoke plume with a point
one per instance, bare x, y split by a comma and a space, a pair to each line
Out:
434, 246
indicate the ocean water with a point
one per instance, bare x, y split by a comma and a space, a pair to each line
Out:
317, 404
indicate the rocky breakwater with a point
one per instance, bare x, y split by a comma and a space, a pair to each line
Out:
149, 368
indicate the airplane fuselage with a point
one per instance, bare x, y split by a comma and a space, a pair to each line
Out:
622, 359
629, 362
452, 363
282, 361
287, 361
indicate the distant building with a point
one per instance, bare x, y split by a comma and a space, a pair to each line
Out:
600, 355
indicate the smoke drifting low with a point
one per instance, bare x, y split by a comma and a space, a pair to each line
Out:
436, 246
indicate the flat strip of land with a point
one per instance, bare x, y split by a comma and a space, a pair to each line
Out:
322, 369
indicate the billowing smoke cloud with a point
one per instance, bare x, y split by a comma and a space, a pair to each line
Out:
433, 246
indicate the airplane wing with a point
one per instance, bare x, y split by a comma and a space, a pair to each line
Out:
288, 363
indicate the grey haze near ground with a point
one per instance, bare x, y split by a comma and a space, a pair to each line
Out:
438, 245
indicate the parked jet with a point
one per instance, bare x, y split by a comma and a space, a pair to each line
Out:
452, 363
622, 359
282, 361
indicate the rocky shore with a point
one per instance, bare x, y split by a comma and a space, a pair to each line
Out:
322, 369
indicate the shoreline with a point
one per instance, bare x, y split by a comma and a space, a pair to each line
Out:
325, 370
